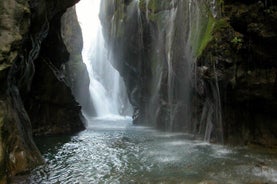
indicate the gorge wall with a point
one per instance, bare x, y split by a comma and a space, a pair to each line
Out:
204, 67
243, 50
35, 94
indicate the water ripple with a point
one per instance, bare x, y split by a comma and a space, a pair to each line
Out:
102, 154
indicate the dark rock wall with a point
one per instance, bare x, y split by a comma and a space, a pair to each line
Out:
34, 93
243, 50
18, 152
50, 103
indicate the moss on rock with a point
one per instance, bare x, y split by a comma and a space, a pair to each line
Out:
240, 54
204, 36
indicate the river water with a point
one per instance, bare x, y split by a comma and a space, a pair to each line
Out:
112, 150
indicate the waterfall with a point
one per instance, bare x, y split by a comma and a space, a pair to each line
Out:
158, 45
107, 90
169, 41
176, 41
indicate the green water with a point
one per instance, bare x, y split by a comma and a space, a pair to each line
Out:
115, 151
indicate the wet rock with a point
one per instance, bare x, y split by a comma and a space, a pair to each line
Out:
50, 104
17, 150
52, 111
14, 23
26, 35
242, 52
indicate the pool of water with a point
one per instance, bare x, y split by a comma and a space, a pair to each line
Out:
115, 151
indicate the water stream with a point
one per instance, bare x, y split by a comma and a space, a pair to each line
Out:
107, 88
115, 151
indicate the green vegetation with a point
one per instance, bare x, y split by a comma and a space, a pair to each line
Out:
237, 42
201, 34
207, 36
220, 23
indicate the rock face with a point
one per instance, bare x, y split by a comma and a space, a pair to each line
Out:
243, 53
50, 103
76, 70
18, 152
122, 32
195, 66
34, 93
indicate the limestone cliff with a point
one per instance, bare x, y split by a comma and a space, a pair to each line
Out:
34, 92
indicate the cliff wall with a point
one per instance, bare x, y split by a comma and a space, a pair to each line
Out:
35, 95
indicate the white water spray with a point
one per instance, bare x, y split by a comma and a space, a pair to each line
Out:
107, 89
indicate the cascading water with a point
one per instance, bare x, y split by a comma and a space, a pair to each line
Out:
169, 42
107, 89
174, 55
